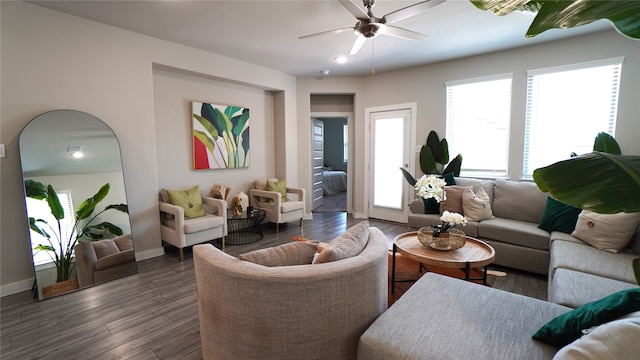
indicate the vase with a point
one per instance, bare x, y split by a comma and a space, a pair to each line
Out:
244, 199
453, 239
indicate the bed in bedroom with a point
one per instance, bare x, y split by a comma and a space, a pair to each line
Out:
334, 182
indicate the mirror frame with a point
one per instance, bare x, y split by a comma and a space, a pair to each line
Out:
46, 145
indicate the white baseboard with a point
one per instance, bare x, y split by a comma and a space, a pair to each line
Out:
149, 254
16, 287
360, 216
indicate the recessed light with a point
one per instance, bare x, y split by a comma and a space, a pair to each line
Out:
325, 72
341, 59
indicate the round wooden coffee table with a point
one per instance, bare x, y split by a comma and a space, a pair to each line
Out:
474, 254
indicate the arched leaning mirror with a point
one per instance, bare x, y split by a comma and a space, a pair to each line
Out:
76, 202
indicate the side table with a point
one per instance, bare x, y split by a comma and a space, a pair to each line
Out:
244, 228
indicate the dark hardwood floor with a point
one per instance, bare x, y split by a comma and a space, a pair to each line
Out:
154, 314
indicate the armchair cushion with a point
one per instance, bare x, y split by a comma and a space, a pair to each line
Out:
202, 223
349, 244
295, 253
189, 200
278, 186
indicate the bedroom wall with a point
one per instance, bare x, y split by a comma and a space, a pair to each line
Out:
51, 60
333, 143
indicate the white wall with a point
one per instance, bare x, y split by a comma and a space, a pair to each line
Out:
173, 93
51, 60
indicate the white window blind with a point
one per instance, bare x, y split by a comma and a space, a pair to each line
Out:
39, 209
566, 108
478, 118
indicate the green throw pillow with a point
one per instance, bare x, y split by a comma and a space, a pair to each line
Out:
568, 327
278, 186
189, 200
449, 178
559, 217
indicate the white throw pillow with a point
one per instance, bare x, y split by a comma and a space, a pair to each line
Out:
476, 207
616, 339
609, 232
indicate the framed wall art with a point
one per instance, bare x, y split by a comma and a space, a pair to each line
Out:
220, 136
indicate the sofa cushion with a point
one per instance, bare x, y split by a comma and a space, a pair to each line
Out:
617, 339
609, 232
559, 217
568, 327
444, 318
295, 253
518, 200
573, 288
454, 198
477, 206
105, 248
122, 257
587, 259
189, 200
515, 232
346, 245
477, 184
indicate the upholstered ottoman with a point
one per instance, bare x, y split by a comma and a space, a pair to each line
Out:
445, 318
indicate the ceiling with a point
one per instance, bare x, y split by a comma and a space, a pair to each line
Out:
265, 32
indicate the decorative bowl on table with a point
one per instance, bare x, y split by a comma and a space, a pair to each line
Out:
453, 239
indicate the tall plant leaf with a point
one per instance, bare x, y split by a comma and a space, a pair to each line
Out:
427, 160
444, 152
410, 179
35, 190
87, 207
454, 166
54, 203
606, 143
601, 182
433, 142
624, 14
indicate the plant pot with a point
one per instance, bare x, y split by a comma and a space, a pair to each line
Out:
453, 239
60, 288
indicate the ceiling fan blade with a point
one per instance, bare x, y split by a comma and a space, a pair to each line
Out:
360, 40
410, 11
403, 33
355, 10
335, 31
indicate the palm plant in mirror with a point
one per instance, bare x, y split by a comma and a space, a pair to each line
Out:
60, 243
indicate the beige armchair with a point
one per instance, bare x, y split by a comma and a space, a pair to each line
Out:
278, 211
104, 260
181, 232
314, 311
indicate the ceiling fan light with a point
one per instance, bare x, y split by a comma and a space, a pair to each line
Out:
341, 59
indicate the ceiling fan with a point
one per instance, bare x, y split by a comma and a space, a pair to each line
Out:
369, 26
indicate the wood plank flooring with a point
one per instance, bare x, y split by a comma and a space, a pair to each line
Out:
154, 314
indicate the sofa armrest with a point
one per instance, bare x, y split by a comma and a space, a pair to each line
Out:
417, 206
221, 209
85, 262
110, 261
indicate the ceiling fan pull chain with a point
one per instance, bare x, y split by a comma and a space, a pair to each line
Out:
373, 68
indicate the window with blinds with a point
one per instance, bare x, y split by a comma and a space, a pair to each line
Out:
478, 118
566, 108
39, 209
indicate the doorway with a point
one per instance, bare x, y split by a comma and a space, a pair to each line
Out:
390, 145
330, 163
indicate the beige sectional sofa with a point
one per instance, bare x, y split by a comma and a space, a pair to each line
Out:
578, 272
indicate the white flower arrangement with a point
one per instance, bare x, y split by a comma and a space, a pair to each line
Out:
431, 186
449, 221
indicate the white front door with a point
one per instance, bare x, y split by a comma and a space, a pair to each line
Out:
390, 149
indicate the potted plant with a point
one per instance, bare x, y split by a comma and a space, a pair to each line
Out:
600, 181
434, 159
60, 247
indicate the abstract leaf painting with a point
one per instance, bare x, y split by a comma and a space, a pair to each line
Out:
220, 136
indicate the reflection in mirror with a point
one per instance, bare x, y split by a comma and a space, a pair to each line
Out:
76, 202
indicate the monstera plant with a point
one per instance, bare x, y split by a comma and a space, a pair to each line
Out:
550, 14
60, 244
434, 159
